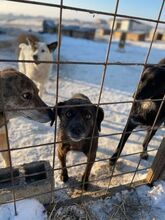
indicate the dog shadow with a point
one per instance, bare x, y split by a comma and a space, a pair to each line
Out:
123, 166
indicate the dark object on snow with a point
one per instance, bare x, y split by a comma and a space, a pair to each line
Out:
122, 40
49, 26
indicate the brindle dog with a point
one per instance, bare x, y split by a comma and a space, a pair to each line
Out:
18, 91
75, 130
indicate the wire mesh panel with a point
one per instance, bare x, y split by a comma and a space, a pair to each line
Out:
105, 177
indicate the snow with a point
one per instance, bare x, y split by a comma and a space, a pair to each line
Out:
119, 85
28, 209
157, 194
134, 204
141, 203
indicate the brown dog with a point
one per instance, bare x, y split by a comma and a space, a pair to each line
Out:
75, 130
18, 91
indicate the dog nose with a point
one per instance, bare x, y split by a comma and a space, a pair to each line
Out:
35, 57
76, 130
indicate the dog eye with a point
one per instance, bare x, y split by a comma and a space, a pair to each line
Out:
88, 116
68, 114
27, 96
42, 50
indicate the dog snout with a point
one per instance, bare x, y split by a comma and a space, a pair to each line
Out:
47, 115
76, 131
43, 115
35, 57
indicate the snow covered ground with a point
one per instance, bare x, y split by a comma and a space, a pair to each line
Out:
119, 85
143, 203
29, 209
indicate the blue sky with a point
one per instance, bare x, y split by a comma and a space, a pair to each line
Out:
144, 8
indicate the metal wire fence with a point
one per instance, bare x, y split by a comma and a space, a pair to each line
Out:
104, 64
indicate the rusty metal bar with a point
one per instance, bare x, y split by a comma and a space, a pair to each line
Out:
82, 105
102, 81
145, 62
157, 115
67, 187
87, 10
57, 90
57, 142
149, 51
105, 64
98, 63
8, 144
75, 165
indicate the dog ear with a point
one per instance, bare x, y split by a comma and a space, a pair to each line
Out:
52, 46
22, 45
59, 110
100, 117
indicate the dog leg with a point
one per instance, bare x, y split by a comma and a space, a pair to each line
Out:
62, 152
148, 137
3, 146
90, 162
125, 135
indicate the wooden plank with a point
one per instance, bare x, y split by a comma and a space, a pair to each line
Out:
158, 167
4, 146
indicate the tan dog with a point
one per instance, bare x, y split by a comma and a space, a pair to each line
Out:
18, 91
32, 49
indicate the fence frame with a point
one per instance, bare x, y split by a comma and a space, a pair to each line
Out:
157, 170
158, 159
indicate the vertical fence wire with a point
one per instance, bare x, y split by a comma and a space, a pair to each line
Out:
8, 142
162, 102
57, 89
134, 99
152, 128
103, 78
91, 11
58, 62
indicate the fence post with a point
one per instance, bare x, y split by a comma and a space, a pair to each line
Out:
157, 169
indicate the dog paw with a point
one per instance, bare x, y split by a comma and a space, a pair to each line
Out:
144, 155
64, 178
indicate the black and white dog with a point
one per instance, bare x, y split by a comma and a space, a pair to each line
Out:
151, 87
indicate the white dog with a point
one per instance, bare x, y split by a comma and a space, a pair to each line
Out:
31, 48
